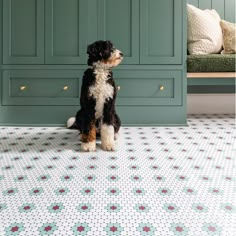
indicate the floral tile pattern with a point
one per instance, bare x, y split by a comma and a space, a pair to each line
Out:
161, 181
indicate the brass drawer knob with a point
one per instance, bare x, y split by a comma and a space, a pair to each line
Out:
162, 88
23, 88
65, 88
118, 88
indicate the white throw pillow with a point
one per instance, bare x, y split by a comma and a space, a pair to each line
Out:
204, 31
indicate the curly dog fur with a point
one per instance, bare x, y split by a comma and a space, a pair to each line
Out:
97, 114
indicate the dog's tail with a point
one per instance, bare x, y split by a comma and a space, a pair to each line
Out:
71, 124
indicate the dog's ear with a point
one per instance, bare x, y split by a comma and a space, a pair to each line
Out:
107, 49
92, 50
93, 53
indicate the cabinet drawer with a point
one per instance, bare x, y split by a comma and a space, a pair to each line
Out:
149, 88
41, 87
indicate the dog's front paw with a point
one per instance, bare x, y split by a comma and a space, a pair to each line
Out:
107, 137
108, 146
88, 147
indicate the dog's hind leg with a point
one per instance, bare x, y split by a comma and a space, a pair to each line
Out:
117, 124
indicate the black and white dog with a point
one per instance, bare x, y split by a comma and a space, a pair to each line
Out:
97, 99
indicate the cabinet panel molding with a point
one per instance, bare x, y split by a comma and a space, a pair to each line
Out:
161, 32
41, 87
118, 21
66, 31
23, 32
152, 88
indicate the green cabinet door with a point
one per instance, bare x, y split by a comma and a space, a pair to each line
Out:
161, 31
118, 21
23, 32
66, 31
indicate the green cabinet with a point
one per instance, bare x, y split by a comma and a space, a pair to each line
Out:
23, 32
147, 31
161, 31
118, 21
44, 45
62, 27
41, 87
152, 88
134, 26
65, 31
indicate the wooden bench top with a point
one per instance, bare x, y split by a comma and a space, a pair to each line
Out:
211, 75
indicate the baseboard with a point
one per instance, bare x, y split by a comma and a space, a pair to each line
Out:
211, 104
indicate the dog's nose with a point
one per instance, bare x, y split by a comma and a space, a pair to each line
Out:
121, 54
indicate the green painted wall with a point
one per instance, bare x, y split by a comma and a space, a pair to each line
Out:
225, 8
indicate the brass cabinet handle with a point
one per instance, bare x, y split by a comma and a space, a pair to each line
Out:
23, 88
65, 88
162, 88
118, 88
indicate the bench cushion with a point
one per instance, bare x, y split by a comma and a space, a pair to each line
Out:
211, 63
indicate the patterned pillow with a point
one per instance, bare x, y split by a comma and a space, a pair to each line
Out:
229, 37
204, 31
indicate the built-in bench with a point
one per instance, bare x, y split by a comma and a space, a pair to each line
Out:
212, 69
211, 78
211, 83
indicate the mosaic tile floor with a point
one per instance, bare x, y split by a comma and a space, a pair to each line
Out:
161, 181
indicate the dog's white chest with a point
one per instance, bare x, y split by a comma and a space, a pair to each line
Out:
101, 91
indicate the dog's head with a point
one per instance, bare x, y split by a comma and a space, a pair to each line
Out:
104, 52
